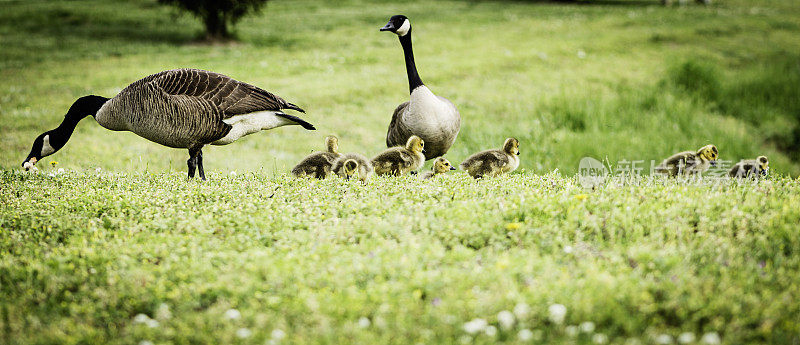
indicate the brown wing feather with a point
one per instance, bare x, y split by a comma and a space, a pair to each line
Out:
398, 134
228, 95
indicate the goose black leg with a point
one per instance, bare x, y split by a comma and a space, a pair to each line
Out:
200, 164
192, 162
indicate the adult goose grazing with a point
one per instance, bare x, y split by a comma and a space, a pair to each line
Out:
434, 119
182, 108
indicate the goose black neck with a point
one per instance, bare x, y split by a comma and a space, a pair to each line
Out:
411, 68
83, 107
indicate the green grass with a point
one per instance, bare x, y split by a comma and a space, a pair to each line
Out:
82, 253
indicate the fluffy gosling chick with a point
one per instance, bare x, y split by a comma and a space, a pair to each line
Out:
493, 162
401, 160
352, 165
318, 164
751, 168
689, 162
440, 166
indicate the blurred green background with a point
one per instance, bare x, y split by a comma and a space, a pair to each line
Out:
624, 80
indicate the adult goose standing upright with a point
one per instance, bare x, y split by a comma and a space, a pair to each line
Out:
182, 108
434, 119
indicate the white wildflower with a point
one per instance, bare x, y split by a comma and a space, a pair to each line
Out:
525, 335
581, 54
465, 339
475, 326
491, 331
145, 342
571, 330
233, 173
97, 170
232, 314
599, 338
686, 338
506, 319
163, 313
557, 313
278, 334
243, 333
711, 338
521, 310
664, 339
140, 318
60, 171
151, 323
587, 327
568, 249
363, 322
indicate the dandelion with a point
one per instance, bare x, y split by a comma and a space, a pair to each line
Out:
521, 310
506, 319
571, 330
475, 326
491, 331
513, 226
278, 334
599, 338
53, 163
363, 322
243, 333
664, 339
587, 327
232, 314
711, 338
686, 338
581, 197
557, 313
525, 335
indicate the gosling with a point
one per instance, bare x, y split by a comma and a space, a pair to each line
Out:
491, 163
350, 165
689, 162
750, 168
400, 160
440, 166
318, 164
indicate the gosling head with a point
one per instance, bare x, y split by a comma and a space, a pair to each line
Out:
415, 144
332, 143
708, 153
350, 168
511, 146
763, 163
442, 165
398, 24
42, 147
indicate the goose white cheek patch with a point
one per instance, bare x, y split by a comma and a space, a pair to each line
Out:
46, 148
403, 30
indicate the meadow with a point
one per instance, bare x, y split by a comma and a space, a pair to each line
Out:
120, 248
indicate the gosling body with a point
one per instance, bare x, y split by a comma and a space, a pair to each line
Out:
689, 162
750, 168
491, 163
319, 164
399, 160
351, 165
440, 166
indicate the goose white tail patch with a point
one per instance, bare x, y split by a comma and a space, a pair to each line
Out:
403, 30
247, 124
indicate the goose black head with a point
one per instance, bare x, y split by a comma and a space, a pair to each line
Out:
42, 147
398, 24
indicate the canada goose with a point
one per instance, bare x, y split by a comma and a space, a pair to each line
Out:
318, 164
689, 162
352, 164
182, 108
440, 166
434, 119
493, 162
401, 160
752, 168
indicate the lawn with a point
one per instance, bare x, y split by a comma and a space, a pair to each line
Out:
120, 248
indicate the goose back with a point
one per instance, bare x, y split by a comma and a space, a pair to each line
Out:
185, 108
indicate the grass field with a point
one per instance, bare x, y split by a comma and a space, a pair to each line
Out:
120, 248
